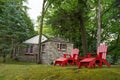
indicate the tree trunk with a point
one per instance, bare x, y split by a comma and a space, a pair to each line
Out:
99, 25
40, 32
11, 56
81, 25
83, 35
4, 57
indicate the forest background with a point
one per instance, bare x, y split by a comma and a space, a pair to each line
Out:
73, 20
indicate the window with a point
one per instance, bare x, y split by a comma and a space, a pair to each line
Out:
61, 46
29, 49
43, 48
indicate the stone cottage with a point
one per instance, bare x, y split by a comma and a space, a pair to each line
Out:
51, 49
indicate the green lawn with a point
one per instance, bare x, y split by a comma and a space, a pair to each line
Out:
31, 71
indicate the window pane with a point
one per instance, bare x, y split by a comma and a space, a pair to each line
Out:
43, 48
31, 49
63, 46
58, 46
27, 49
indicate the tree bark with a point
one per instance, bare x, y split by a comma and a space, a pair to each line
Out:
11, 56
99, 25
40, 32
80, 15
83, 35
4, 57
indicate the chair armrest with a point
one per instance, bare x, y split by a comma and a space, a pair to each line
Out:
64, 55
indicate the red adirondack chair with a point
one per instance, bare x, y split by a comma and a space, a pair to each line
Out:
98, 60
101, 55
68, 58
73, 57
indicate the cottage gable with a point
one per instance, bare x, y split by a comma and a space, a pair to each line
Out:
35, 40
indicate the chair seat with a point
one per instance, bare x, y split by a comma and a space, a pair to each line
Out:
61, 59
87, 60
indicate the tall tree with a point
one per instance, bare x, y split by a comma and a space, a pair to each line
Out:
68, 17
99, 24
15, 25
65, 18
40, 32
81, 18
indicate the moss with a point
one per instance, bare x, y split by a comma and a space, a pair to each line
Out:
30, 71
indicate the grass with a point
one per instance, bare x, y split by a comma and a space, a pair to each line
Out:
32, 71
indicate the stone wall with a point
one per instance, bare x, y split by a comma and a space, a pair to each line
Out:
32, 57
52, 53
27, 58
49, 56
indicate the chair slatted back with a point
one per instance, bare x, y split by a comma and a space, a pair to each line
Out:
102, 51
74, 52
